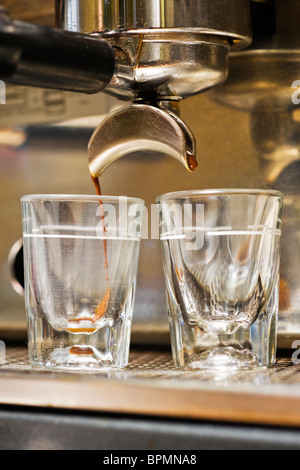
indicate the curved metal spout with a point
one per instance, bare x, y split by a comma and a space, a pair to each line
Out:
140, 128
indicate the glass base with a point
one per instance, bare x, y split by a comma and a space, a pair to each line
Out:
79, 357
194, 349
221, 358
107, 348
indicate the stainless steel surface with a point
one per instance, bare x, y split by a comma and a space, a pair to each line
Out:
163, 47
166, 50
260, 75
151, 386
151, 65
226, 18
262, 84
156, 364
155, 130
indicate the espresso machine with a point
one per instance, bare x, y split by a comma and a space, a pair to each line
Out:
150, 56
151, 96
133, 73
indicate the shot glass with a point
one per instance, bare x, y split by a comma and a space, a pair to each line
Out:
81, 257
221, 256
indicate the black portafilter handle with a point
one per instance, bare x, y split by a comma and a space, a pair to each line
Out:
39, 56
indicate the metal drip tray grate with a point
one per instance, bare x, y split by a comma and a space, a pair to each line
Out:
159, 364
141, 362
151, 385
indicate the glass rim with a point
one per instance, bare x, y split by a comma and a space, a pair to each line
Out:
81, 197
219, 192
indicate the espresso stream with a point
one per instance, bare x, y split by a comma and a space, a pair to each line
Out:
103, 304
96, 182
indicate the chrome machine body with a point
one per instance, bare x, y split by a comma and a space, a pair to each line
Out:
166, 50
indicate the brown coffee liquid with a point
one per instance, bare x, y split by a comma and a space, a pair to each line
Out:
96, 182
192, 162
81, 351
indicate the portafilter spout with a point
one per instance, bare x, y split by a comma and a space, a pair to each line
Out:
140, 127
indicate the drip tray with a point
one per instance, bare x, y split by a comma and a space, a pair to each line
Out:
152, 386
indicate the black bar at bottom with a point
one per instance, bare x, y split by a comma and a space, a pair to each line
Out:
37, 429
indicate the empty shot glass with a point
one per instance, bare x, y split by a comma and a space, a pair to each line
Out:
81, 257
221, 256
